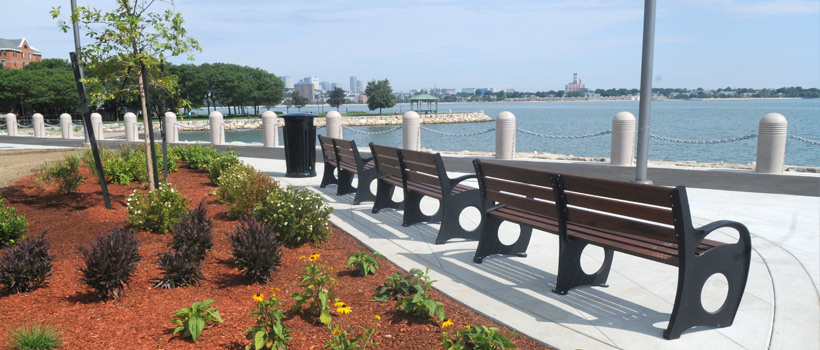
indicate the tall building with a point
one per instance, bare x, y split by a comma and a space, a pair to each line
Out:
17, 53
314, 81
575, 85
306, 90
354, 86
360, 86
288, 82
326, 85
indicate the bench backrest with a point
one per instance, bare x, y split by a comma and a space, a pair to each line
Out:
636, 209
347, 155
527, 190
386, 159
328, 152
424, 168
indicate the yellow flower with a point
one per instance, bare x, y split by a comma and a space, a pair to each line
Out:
377, 317
344, 310
467, 327
339, 304
446, 323
302, 257
337, 331
258, 297
274, 289
313, 257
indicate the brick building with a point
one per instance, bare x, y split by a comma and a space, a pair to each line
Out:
17, 53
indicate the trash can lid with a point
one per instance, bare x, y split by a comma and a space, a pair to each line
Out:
299, 115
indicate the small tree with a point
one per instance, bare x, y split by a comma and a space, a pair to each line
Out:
298, 100
379, 95
337, 98
123, 42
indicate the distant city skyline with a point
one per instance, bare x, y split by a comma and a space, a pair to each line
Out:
526, 45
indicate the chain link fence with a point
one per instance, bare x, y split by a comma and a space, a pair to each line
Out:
457, 135
702, 142
371, 132
572, 137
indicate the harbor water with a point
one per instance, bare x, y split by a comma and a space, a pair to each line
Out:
678, 129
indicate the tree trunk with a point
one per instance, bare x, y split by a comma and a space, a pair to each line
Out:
146, 124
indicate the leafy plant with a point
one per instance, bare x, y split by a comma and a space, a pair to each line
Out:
341, 339
110, 261
412, 292
364, 263
299, 214
192, 320
269, 332
398, 286
12, 225
195, 156
317, 289
477, 337
221, 163
35, 336
193, 232
179, 268
26, 266
255, 249
158, 210
66, 173
242, 189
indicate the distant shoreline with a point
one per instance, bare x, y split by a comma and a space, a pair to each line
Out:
585, 100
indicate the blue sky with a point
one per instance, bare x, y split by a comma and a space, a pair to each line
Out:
526, 45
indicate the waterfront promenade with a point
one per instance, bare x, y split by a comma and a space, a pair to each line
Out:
780, 307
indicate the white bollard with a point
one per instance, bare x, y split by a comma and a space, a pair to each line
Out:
38, 124
333, 124
623, 139
771, 144
131, 127
171, 132
11, 124
270, 132
505, 135
411, 131
217, 128
65, 125
96, 125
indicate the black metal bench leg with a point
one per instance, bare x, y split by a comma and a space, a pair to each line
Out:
570, 273
412, 210
328, 178
730, 261
489, 243
452, 206
345, 183
363, 192
384, 197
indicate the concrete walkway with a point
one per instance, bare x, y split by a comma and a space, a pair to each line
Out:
780, 308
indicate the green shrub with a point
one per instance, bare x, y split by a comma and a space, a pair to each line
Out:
413, 294
158, 210
195, 156
26, 266
66, 173
126, 165
299, 214
35, 336
221, 163
110, 261
12, 225
242, 189
477, 337
193, 232
399, 286
364, 263
192, 320
255, 249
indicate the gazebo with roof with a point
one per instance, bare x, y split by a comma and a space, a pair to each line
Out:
418, 100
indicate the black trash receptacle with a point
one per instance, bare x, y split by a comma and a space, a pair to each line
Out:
300, 144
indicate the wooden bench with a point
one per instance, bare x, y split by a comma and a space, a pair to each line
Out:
654, 223
519, 195
350, 163
423, 174
388, 176
329, 157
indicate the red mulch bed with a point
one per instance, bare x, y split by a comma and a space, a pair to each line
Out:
139, 320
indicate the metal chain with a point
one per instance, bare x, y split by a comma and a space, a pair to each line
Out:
25, 126
191, 127
50, 125
227, 126
564, 137
702, 142
453, 134
74, 124
370, 132
111, 127
811, 142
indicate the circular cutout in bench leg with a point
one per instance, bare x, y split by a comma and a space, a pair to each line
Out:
714, 293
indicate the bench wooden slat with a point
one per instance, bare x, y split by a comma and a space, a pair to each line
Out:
621, 224
524, 175
515, 215
662, 215
524, 189
649, 194
537, 207
423, 178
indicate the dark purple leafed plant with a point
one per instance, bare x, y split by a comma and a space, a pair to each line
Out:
109, 262
193, 232
255, 249
26, 266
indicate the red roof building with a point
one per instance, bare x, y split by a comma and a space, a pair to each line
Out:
17, 53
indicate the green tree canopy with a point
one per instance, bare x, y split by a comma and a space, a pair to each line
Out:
298, 100
337, 98
379, 95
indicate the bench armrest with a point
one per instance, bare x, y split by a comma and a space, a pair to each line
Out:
455, 181
743, 232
